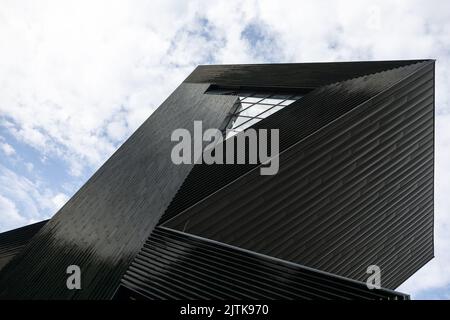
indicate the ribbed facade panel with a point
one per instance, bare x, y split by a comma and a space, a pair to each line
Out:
103, 226
11, 242
357, 192
174, 265
354, 188
295, 122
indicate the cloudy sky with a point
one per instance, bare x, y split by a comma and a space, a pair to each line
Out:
78, 77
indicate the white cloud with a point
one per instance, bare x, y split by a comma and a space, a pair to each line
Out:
24, 201
77, 78
9, 216
7, 149
66, 70
59, 200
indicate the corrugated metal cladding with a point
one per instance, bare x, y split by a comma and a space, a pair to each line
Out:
355, 187
104, 225
355, 192
11, 242
174, 265
295, 122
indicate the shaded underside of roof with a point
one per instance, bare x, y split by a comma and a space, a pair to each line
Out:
174, 265
291, 75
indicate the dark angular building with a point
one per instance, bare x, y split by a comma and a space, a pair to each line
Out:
354, 188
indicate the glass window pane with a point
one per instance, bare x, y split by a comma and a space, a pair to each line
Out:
251, 99
255, 106
254, 110
245, 105
272, 101
249, 123
271, 111
239, 121
286, 102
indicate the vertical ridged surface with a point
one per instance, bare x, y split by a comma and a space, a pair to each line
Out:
174, 265
12, 242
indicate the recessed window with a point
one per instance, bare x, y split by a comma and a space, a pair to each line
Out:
253, 107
